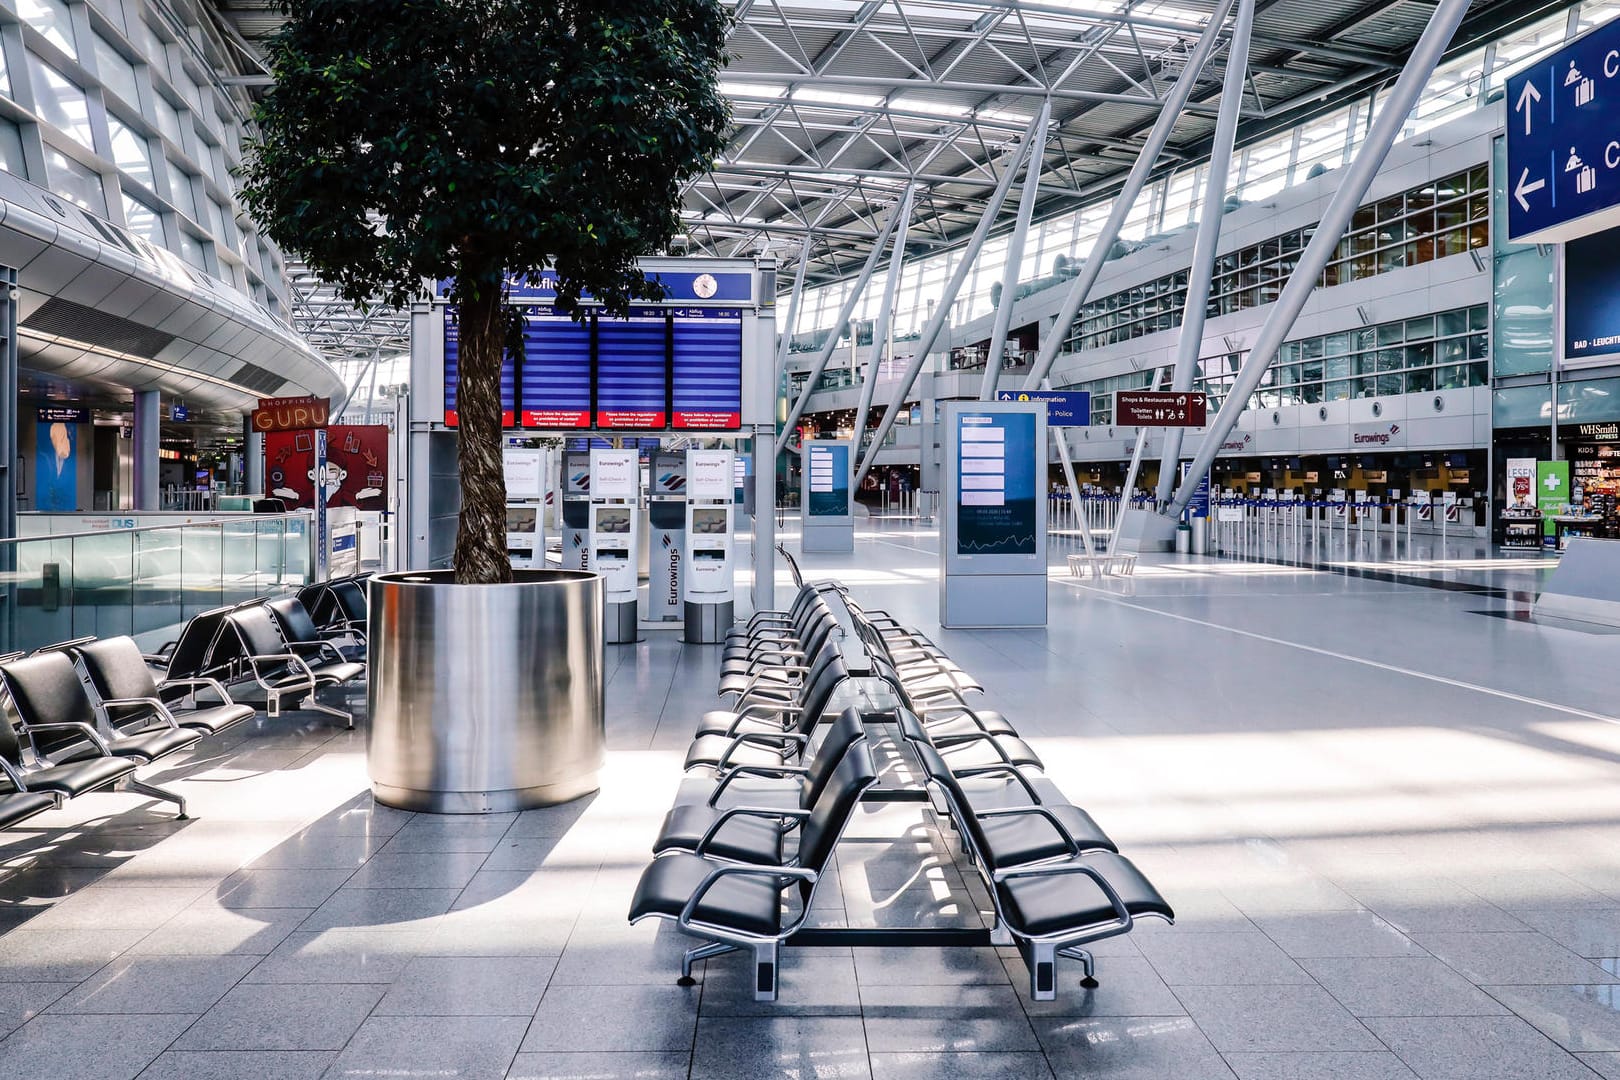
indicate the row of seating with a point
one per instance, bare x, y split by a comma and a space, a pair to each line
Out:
87, 713
727, 874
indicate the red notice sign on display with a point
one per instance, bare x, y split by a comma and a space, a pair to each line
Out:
1159, 408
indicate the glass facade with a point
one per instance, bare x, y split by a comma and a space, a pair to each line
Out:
1447, 217
159, 165
1445, 351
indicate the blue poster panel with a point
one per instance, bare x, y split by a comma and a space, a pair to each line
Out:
1591, 296
555, 376
707, 369
452, 371
996, 490
56, 468
632, 370
829, 480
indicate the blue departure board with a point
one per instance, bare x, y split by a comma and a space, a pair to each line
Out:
632, 370
556, 372
707, 369
452, 369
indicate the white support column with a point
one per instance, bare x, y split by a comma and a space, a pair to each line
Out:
1351, 190
792, 321
880, 331
844, 313
1202, 272
1015, 255
1174, 102
942, 309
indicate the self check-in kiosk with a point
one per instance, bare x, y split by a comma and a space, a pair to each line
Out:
666, 536
615, 490
525, 469
576, 510
710, 508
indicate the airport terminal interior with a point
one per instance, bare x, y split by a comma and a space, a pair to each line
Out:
1095, 554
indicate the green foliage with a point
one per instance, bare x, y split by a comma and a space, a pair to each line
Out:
488, 136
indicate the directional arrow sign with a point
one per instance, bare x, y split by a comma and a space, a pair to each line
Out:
1521, 189
1563, 142
1064, 408
1526, 96
1158, 408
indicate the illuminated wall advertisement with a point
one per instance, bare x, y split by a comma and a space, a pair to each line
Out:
56, 467
996, 489
829, 480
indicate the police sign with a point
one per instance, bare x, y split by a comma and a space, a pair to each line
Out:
1064, 408
1563, 142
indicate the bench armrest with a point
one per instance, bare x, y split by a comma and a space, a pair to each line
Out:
94, 737
784, 817
761, 738
778, 772
161, 709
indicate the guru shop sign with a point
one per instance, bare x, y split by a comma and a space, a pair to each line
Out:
291, 414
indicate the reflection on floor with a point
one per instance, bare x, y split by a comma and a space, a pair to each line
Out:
1388, 827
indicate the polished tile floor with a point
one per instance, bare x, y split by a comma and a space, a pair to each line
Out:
1384, 805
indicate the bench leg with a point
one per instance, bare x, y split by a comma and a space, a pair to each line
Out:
702, 952
1000, 935
155, 792
313, 704
765, 971
1087, 964
1042, 961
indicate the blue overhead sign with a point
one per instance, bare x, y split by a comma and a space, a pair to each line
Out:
1064, 408
1563, 142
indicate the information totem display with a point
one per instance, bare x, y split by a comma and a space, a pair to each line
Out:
993, 541
829, 523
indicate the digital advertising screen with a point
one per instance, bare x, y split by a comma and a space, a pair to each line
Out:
996, 484
452, 371
556, 371
1591, 297
632, 370
707, 369
829, 480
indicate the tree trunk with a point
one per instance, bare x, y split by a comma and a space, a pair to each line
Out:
481, 557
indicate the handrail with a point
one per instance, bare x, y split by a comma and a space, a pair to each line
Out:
302, 515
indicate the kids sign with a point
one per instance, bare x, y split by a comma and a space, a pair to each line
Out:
291, 414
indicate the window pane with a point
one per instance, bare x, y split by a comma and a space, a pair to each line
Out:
180, 191
130, 151
5, 77
191, 249
60, 102
74, 182
51, 19
117, 73
11, 151
168, 119
143, 221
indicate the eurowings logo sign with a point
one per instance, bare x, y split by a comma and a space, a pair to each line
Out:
1237, 445
1378, 436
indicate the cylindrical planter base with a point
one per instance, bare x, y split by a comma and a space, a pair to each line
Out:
485, 698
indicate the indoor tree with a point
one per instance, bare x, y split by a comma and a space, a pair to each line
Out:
484, 141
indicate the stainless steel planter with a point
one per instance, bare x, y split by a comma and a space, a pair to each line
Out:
485, 698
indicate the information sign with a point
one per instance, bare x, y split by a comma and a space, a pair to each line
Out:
615, 474
1064, 408
1159, 408
996, 484
711, 474
452, 373
829, 479
1563, 142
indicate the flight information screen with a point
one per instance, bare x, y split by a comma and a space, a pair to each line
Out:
452, 370
556, 371
706, 367
632, 370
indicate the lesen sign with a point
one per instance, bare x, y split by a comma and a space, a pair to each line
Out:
291, 414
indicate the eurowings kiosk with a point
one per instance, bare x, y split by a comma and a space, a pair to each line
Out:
828, 523
666, 536
576, 510
525, 469
710, 505
615, 491
993, 538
